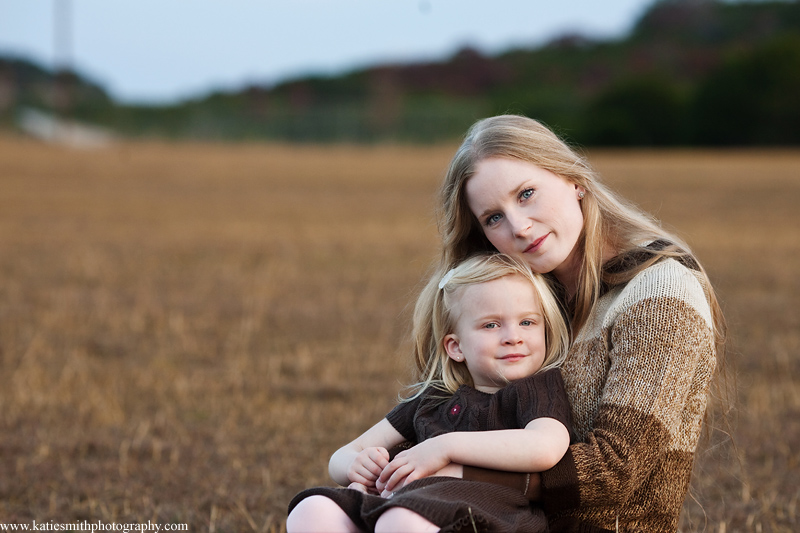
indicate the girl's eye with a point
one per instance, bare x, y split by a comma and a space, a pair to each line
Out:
527, 323
526, 194
490, 325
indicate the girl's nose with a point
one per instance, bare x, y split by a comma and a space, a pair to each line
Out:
512, 337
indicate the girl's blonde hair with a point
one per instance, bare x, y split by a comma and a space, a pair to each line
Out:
434, 319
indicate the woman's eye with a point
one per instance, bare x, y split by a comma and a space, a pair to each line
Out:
527, 193
493, 219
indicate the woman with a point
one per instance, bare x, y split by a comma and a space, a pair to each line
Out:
645, 322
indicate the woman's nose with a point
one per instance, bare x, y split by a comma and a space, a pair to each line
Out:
520, 225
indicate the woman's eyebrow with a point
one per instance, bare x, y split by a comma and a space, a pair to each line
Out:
487, 212
511, 194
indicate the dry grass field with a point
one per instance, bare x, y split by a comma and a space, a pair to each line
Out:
188, 331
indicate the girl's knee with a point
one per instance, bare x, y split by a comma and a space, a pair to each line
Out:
402, 520
319, 514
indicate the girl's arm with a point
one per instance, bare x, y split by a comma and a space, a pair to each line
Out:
536, 448
362, 460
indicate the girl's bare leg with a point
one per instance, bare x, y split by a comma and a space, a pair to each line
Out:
401, 520
318, 514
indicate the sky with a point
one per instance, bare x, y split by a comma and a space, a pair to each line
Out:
164, 51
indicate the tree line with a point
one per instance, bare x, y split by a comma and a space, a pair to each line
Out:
689, 72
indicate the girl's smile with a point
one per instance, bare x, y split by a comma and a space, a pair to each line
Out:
499, 332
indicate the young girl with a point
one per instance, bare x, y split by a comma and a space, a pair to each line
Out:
489, 337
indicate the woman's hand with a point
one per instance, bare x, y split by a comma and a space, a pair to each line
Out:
367, 467
452, 470
427, 458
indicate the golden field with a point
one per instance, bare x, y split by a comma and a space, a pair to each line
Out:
188, 331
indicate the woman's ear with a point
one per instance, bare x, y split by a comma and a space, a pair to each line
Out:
452, 347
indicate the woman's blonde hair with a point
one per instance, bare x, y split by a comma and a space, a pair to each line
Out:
609, 222
434, 319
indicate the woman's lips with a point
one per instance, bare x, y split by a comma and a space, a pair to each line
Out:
535, 245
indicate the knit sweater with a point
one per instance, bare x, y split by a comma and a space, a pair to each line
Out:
637, 378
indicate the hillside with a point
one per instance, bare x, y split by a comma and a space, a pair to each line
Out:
689, 72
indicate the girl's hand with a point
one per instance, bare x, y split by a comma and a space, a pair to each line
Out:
367, 466
423, 460
363, 488
454, 470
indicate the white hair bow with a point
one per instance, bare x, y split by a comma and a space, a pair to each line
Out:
447, 277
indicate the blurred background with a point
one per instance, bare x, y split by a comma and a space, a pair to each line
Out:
215, 216
623, 72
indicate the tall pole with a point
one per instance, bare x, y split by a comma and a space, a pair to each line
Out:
62, 34
62, 56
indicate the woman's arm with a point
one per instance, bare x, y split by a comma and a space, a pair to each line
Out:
537, 447
363, 459
660, 349
661, 357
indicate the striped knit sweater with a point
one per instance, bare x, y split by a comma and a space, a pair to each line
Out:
637, 378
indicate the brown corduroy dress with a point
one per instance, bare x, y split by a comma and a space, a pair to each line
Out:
457, 504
